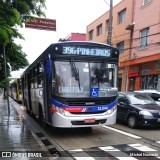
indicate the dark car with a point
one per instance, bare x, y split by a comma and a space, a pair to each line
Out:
137, 109
152, 93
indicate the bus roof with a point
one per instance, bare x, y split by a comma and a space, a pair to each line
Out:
50, 49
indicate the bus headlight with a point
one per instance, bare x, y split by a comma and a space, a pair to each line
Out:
110, 111
62, 111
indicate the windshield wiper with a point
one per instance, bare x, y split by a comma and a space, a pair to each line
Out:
75, 72
101, 72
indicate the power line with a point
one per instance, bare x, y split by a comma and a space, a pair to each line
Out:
151, 44
137, 30
137, 39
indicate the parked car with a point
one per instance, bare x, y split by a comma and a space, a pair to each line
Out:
137, 109
152, 93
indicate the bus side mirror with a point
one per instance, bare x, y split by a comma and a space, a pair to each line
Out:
122, 104
48, 66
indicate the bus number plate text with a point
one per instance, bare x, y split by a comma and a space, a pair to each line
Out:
89, 120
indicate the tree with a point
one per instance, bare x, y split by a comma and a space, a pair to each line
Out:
12, 15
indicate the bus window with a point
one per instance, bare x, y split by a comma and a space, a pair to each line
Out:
40, 74
66, 83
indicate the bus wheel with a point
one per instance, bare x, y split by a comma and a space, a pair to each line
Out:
41, 117
27, 110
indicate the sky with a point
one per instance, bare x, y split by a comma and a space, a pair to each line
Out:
70, 15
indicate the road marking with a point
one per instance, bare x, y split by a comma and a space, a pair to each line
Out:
145, 149
111, 150
140, 147
120, 152
79, 154
122, 132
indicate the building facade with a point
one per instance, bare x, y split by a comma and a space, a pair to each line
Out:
98, 31
144, 63
136, 32
74, 37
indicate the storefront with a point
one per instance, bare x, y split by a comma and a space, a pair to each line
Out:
132, 81
144, 76
133, 78
150, 75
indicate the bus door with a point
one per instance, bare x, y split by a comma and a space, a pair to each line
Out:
23, 84
29, 92
47, 89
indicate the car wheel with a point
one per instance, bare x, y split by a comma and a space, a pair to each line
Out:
132, 121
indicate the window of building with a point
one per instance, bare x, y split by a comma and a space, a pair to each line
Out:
157, 65
107, 24
146, 2
120, 46
132, 84
144, 37
122, 16
91, 35
119, 82
99, 30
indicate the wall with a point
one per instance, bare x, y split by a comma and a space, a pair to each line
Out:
146, 16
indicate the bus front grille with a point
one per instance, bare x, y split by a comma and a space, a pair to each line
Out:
88, 102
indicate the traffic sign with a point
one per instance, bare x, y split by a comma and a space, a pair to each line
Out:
94, 92
41, 23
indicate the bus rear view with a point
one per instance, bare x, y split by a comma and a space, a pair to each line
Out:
79, 85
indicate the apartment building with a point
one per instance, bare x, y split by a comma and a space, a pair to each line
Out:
144, 62
136, 32
98, 31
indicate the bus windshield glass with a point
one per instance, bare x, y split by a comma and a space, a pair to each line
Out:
84, 79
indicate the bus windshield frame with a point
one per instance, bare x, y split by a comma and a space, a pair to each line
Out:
84, 79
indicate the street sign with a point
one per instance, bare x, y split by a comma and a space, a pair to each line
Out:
41, 23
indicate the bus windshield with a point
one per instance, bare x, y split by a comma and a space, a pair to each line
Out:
84, 79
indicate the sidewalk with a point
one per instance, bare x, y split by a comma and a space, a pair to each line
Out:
15, 136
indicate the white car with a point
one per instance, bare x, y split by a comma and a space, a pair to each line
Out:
152, 93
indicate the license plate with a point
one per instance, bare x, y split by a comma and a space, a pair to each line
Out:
89, 120
158, 120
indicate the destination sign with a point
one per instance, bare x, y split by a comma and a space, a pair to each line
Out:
86, 51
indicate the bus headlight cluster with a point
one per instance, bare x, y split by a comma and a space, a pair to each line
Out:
60, 110
110, 111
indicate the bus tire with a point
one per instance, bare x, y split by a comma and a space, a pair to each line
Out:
41, 117
27, 110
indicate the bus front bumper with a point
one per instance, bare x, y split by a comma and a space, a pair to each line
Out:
58, 120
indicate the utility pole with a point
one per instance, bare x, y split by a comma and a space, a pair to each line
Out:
6, 77
109, 38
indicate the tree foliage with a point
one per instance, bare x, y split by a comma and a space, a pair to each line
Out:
12, 15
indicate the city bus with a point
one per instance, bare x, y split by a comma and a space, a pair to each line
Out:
73, 84
15, 89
